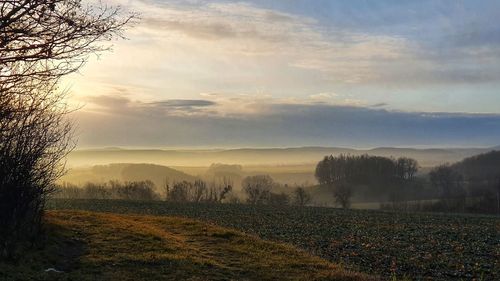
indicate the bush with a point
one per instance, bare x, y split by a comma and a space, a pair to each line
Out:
199, 191
279, 199
133, 190
301, 196
258, 189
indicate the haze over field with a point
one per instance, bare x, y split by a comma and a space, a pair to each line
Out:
211, 89
302, 156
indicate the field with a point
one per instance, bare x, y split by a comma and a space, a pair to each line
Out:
96, 246
435, 246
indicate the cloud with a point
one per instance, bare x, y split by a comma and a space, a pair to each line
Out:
277, 122
109, 101
183, 103
290, 57
286, 40
121, 104
322, 96
197, 30
362, 52
236, 21
209, 95
382, 104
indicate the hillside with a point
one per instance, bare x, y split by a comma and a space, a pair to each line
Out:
290, 174
258, 156
125, 172
393, 245
482, 167
86, 246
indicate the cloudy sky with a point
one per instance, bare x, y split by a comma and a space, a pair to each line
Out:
296, 73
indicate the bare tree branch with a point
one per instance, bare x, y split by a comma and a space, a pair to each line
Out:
40, 42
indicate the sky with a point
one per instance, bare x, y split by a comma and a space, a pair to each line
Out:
275, 73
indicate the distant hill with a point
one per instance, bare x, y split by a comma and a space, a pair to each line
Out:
125, 172
482, 167
260, 156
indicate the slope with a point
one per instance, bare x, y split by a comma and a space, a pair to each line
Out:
91, 246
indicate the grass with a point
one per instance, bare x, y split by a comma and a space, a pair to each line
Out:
104, 246
416, 245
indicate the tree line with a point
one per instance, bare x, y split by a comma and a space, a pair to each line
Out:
374, 175
471, 185
262, 190
257, 190
129, 190
182, 191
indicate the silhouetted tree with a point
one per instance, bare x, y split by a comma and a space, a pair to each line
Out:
40, 41
406, 168
227, 188
324, 170
279, 199
131, 190
301, 196
481, 176
449, 183
258, 188
378, 175
342, 192
220, 189
498, 195
96, 191
199, 190
179, 192
134, 190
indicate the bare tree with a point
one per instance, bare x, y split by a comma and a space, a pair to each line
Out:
278, 199
342, 193
40, 41
199, 190
301, 196
219, 190
165, 188
258, 188
449, 184
497, 190
406, 168
179, 192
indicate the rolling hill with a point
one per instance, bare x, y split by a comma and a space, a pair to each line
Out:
98, 246
125, 172
259, 156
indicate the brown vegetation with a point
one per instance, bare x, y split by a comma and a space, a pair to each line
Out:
122, 247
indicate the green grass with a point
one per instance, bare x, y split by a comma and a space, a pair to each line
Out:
100, 246
416, 245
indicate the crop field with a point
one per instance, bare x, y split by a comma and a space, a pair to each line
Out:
418, 246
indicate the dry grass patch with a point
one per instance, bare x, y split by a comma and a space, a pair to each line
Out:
99, 246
